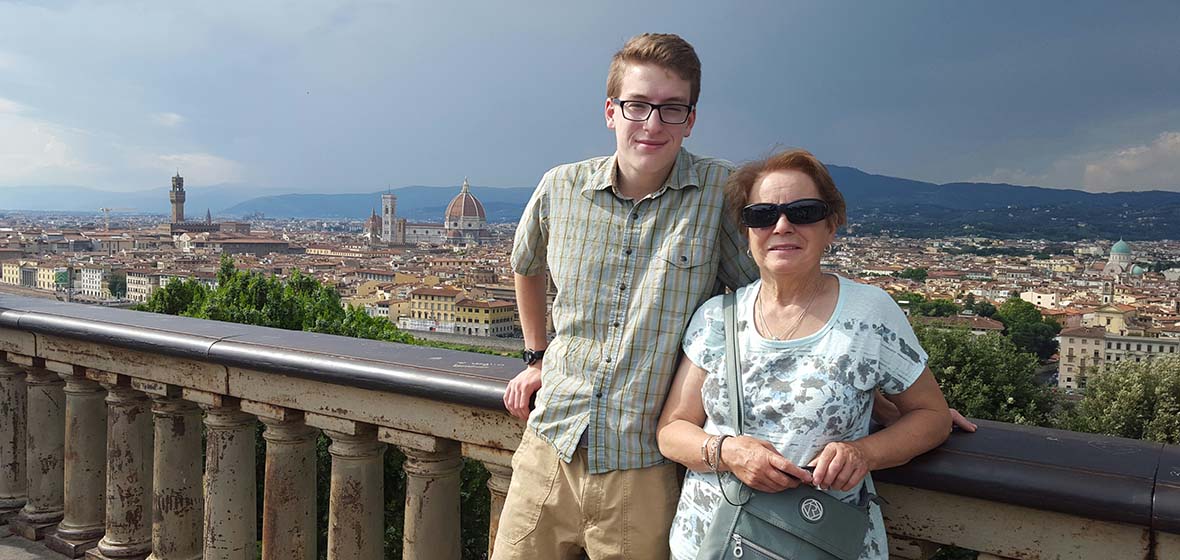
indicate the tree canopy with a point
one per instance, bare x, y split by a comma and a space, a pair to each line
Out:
1139, 400
919, 305
297, 303
117, 284
1026, 327
986, 376
919, 274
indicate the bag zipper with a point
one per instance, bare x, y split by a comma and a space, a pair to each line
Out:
739, 542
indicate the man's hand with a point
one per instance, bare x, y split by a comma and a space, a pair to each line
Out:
520, 391
757, 463
961, 422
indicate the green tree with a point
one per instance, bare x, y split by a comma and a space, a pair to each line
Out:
117, 284
912, 298
938, 308
919, 274
1026, 327
1016, 310
178, 297
1139, 400
986, 376
1160, 266
985, 309
1038, 338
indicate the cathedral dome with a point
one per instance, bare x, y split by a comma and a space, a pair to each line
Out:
464, 206
1120, 248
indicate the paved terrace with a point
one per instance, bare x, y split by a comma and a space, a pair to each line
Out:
101, 414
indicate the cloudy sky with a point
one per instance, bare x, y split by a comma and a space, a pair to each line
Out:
356, 96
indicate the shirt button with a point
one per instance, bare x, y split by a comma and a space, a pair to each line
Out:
635, 215
615, 324
627, 251
608, 359
622, 286
598, 394
683, 258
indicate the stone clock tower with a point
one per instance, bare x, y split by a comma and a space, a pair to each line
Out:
177, 198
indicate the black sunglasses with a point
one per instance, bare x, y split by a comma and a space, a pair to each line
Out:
801, 212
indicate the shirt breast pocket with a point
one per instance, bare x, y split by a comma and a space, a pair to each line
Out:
685, 254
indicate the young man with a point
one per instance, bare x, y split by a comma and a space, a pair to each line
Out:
634, 242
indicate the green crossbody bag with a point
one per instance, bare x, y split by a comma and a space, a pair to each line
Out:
801, 523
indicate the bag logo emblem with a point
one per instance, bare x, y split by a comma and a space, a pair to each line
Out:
811, 510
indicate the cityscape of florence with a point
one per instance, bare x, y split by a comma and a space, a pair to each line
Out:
259, 283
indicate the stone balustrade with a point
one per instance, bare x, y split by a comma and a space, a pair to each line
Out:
102, 413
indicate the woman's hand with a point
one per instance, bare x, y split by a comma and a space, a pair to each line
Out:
841, 465
758, 464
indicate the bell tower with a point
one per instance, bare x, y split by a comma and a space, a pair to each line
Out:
177, 198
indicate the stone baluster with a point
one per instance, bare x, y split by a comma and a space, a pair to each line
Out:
230, 491
432, 501
44, 447
356, 520
498, 487
906, 548
176, 476
12, 441
129, 476
288, 495
85, 468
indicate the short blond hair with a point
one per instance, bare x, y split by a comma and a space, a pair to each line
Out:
741, 183
665, 50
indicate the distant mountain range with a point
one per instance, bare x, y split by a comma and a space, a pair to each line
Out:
876, 204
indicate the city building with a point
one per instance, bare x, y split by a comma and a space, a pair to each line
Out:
93, 281
51, 274
393, 229
1080, 349
1121, 261
11, 272
141, 284
485, 318
432, 309
464, 223
1085, 350
1044, 300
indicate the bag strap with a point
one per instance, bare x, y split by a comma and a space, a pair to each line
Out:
733, 383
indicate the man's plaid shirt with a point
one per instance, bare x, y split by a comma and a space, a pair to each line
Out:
629, 275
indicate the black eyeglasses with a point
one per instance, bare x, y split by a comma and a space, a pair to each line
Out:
801, 212
670, 113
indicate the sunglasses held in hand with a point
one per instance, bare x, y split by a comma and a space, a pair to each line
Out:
800, 212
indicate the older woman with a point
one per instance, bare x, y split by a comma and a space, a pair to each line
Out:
814, 350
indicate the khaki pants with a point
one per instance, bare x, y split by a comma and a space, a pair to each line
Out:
557, 510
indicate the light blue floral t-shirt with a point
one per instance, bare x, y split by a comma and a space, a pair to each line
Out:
798, 394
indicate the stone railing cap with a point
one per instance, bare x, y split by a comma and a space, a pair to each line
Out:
1092, 476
